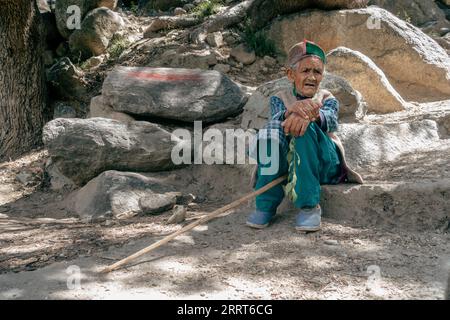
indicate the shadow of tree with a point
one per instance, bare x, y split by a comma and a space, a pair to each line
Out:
228, 258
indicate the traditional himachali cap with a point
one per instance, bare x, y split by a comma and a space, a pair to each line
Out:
304, 49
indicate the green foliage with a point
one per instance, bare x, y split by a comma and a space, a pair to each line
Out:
258, 41
84, 65
117, 46
207, 8
134, 8
405, 16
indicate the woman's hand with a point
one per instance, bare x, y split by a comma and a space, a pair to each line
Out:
307, 109
295, 125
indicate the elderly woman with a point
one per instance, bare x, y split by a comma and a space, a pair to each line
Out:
301, 127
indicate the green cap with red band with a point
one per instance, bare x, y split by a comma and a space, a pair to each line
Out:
305, 49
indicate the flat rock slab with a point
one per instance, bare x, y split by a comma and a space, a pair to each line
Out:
173, 93
412, 204
80, 149
368, 145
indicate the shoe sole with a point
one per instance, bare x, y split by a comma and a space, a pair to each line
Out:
257, 226
308, 228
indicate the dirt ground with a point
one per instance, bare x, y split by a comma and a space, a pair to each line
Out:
40, 245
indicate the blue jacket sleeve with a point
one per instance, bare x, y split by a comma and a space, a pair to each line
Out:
277, 108
329, 114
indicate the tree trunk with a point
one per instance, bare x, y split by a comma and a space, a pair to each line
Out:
22, 82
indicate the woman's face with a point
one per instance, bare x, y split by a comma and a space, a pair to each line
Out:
307, 76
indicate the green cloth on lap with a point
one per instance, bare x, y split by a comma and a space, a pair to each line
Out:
319, 164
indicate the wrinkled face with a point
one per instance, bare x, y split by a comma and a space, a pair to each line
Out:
307, 76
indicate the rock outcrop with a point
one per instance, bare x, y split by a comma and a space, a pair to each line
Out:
70, 12
364, 75
97, 30
416, 66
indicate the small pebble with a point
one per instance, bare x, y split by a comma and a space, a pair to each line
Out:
178, 214
331, 242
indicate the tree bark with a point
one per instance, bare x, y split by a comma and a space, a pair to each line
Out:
22, 80
230, 17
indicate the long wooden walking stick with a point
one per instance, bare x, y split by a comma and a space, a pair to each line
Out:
194, 224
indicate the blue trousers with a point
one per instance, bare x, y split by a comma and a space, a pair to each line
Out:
319, 164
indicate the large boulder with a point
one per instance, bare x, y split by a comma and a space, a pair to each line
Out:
418, 12
177, 94
416, 66
263, 11
65, 14
352, 105
115, 194
80, 149
97, 30
367, 78
256, 110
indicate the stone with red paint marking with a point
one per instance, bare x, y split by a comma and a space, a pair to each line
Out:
173, 93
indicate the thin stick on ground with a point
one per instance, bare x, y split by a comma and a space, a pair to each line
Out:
192, 225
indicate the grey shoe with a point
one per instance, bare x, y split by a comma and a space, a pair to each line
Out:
309, 219
260, 219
